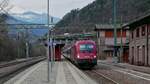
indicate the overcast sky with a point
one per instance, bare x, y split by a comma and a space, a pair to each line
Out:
58, 7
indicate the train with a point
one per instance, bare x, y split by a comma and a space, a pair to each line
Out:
82, 53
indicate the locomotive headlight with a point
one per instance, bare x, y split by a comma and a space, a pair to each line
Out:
78, 56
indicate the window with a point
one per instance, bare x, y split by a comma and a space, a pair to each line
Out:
137, 32
98, 34
133, 51
132, 34
123, 34
109, 34
132, 58
143, 53
138, 53
143, 30
86, 47
148, 28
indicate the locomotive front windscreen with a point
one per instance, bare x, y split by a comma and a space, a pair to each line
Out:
86, 48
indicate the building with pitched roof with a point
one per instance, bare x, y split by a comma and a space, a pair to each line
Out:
139, 44
105, 41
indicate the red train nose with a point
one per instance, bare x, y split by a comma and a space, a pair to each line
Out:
90, 61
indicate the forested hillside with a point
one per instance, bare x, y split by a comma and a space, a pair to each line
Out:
100, 11
12, 48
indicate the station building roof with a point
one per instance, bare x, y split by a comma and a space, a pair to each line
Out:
138, 21
106, 26
99, 27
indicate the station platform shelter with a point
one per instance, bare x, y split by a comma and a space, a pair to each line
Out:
57, 51
58, 54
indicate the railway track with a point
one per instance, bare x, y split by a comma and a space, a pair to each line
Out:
122, 75
7, 64
8, 70
109, 79
100, 78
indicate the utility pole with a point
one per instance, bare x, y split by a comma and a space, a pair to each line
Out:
54, 51
27, 50
121, 50
147, 43
48, 40
18, 49
51, 49
115, 30
27, 44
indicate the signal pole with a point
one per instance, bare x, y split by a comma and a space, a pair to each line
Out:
115, 30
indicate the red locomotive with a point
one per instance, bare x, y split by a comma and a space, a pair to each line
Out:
82, 53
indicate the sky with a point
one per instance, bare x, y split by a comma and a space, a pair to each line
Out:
58, 8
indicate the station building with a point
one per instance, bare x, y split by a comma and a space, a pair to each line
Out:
139, 45
105, 41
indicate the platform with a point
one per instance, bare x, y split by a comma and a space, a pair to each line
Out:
62, 73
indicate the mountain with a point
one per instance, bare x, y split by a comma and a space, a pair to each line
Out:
33, 33
29, 18
13, 20
33, 18
101, 12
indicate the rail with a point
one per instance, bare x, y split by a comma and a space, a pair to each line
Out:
105, 77
2, 65
9, 69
